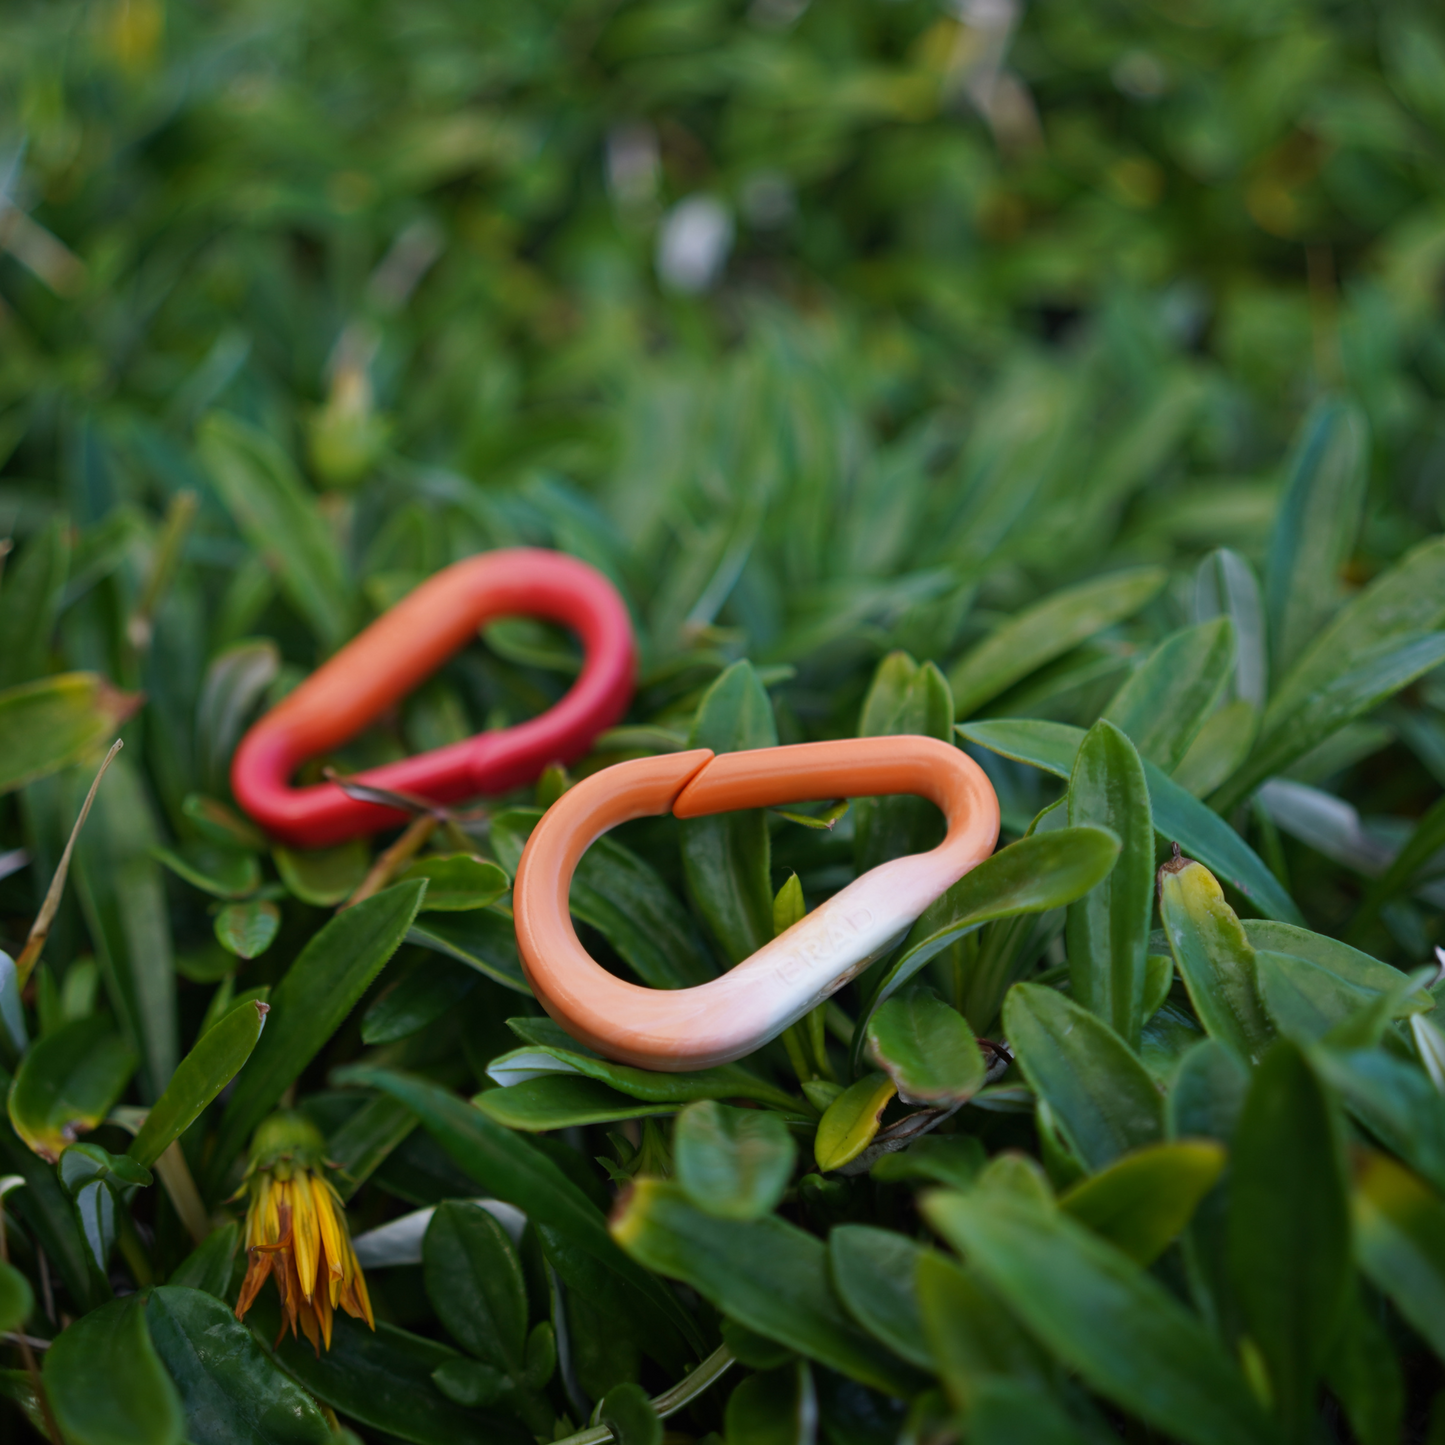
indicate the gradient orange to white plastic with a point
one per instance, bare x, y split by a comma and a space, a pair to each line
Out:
680, 1029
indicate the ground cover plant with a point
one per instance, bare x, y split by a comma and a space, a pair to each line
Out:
1061, 383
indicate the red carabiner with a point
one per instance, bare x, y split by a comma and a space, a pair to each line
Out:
401, 649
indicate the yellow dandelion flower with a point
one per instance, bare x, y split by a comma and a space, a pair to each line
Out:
296, 1232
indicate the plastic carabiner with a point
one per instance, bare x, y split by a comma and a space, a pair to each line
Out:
401, 649
692, 1028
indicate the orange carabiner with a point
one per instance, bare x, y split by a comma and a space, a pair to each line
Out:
693, 1028
403, 647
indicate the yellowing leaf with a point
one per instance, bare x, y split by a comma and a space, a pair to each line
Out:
851, 1121
66, 1084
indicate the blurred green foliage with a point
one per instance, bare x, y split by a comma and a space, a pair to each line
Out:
1020, 340
429, 232
988, 300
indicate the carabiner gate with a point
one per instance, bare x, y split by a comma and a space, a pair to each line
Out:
713, 1023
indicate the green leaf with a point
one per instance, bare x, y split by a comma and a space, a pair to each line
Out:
562, 1101
1219, 749
788, 905
1394, 1101
820, 822
1038, 873
81, 1164
430, 989
904, 698
1166, 700
382, 1379
216, 1059
49, 1217
850, 1122
322, 877
471, 1383
12, 1009
1346, 963
1306, 1001
1143, 1200
769, 1275
926, 1048
219, 823
873, 1271
1365, 1376
1103, 1316
1225, 586
365, 1140
1404, 599
94, 1179
1429, 1044
755, 1351
629, 1414
224, 1000
208, 1266
1400, 1243
49, 724
475, 1284
67, 1083
230, 1392
1108, 928
483, 940
1179, 817
1047, 630
122, 894
971, 1334
248, 929
16, 1299
1004, 1412
1214, 957
724, 1081
1018, 1174
626, 900
776, 1407
734, 1163
541, 1356
1158, 980
820, 1092
524, 641
1378, 676
458, 882
17, 1387
954, 1159
1315, 528
30, 602
1366, 1026
726, 858
206, 965
1417, 850
1289, 1229
234, 687
213, 868
573, 1232
1207, 1095
270, 505
1101, 1095
315, 995
107, 1384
